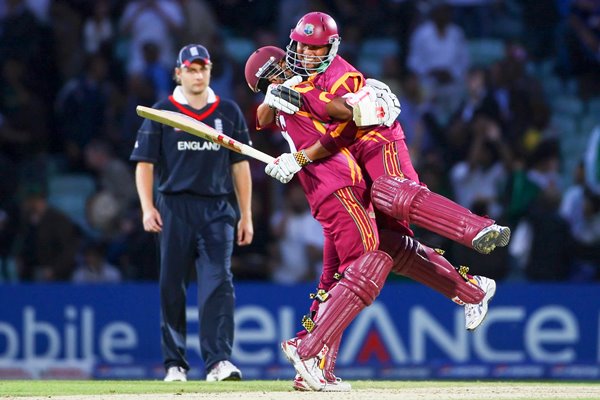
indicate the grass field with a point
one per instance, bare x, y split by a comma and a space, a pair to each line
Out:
250, 390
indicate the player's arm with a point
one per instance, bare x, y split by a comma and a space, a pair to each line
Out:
371, 105
280, 97
144, 181
265, 116
242, 185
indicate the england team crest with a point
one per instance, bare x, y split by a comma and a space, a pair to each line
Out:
309, 29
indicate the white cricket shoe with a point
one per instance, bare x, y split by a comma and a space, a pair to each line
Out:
224, 371
331, 386
309, 369
176, 374
476, 313
491, 237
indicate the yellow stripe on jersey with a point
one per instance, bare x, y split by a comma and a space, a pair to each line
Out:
303, 87
338, 129
391, 162
355, 171
325, 97
319, 126
360, 217
355, 78
372, 136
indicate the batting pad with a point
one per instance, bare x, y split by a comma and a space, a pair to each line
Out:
407, 200
358, 288
425, 265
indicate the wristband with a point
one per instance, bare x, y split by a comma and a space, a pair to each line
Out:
301, 158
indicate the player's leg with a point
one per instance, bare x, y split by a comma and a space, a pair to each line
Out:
360, 285
334, 383
215, 289
408, 200
429, 267
177, 254
349, 231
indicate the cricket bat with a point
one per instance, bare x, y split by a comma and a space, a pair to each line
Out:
200, 129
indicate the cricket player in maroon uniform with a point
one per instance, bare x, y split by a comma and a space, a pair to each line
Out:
263, 63
382, 152
337, 194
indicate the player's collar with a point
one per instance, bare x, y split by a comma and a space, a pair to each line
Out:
180, 98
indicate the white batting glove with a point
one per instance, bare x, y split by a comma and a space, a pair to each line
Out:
283, 97
373, 104
387, 100
283, 168
293, 81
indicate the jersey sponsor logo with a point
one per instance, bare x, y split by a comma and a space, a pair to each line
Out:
197, 146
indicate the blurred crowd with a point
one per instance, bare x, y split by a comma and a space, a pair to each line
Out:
499, 114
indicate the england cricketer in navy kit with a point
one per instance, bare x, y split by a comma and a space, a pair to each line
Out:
193, 217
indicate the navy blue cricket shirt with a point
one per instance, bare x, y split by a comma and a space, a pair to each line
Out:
185, 163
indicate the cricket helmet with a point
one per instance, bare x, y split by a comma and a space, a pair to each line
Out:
262, 66
316, 29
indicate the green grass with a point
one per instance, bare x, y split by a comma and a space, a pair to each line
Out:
16, 388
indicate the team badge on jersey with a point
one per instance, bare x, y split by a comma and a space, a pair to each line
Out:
309, 29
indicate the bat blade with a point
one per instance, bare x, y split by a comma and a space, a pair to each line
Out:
200, 129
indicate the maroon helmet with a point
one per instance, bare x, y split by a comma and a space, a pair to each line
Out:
317, 29
262, 66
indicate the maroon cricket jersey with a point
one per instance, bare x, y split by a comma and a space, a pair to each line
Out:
339, 79
323, 177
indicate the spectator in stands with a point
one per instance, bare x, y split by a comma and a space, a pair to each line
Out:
582, 41
145, 21
580, 207
300, 240
84, 109
542, 247
47, 240
98, 28
253, 262
24, 118
479, 101
439, 55
114, 175
94, 268
416, 118
200, 22
480, 180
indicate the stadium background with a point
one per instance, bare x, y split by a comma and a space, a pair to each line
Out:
67, 105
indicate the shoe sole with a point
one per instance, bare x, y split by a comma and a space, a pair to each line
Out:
492, 239
233, 377
489, 295
290, 354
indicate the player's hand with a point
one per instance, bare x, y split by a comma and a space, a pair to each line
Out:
373, 104
245, 231
386, 99
283, 168
152, 221
283, 98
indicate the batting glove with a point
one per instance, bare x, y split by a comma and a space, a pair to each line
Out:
284, 167
373, 104
283, 98
387, 100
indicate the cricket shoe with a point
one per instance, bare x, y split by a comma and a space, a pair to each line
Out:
476, 313
331, 386
224, 371
309, 369
176, 374
491, 237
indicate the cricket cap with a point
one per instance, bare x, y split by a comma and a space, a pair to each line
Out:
192, 52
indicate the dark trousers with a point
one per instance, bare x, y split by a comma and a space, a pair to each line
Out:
196, 232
